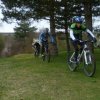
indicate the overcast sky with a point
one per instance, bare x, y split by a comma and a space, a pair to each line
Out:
4, 27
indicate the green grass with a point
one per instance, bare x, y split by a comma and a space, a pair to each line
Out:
23, 77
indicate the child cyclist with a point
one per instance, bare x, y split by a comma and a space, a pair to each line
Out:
36, 46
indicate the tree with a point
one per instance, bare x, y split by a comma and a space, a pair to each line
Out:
47, 9
23, 30
88, 5
58, 12
2, 43
90, 8
33, 9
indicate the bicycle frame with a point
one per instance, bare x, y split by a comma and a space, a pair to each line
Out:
84, 52
46, 53
46, 47
87, 51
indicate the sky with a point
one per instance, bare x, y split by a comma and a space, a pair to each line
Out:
5, 27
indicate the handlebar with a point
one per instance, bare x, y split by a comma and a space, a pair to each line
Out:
85, 41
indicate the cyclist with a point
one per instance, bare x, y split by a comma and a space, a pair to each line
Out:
43, 39
76, 30
36, 45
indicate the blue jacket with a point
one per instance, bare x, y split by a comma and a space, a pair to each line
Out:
43, 37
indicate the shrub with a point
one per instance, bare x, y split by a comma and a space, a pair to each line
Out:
2, 43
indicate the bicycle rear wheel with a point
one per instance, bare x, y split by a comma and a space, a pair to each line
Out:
89, 64
71, 63
47, 56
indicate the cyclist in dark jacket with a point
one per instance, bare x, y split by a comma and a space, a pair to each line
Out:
36, 46
76, 30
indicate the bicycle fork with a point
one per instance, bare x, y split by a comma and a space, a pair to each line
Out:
72, 58
87, 57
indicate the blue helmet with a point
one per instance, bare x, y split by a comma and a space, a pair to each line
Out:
77, 19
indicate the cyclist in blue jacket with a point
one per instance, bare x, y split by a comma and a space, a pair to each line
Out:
43, 39
76, 30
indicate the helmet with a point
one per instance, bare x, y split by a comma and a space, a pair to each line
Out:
77, 19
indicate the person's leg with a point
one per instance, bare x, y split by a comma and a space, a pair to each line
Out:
42, 48
76, 52
39, 49
46, 44
80, 50
81, 47
76, 49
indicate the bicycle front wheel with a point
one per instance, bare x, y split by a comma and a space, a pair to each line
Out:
72, 66
71, 63
36, 54
89, 64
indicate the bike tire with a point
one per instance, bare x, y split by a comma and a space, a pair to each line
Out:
43, 57
36, 54
47, 56
71, 65
89, 69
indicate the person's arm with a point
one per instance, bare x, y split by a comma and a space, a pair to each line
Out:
40, 38
33, 46
72, 27
51, 38
72, 34
91, 34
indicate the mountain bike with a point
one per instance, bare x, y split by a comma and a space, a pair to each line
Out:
89, 64
36, 51
46, 54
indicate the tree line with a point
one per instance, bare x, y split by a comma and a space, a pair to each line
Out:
58, 12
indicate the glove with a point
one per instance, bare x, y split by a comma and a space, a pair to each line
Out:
76, 41
94, 40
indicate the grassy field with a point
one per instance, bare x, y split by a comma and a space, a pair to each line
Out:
23, 77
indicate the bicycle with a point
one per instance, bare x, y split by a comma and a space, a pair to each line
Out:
46, 54
36, 51
89, 64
